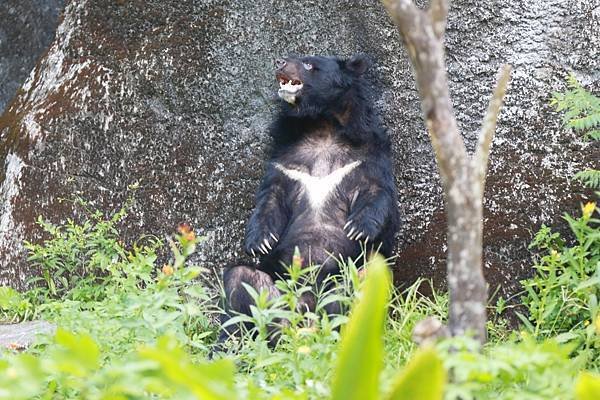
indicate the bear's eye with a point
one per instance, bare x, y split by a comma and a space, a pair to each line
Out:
307, 66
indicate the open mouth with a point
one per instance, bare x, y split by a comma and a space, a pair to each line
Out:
288, 88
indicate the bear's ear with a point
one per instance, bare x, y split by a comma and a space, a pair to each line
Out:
358, 64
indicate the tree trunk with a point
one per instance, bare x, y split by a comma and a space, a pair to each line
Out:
462, 178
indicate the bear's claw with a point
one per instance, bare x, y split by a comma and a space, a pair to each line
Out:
356, 231
263, 246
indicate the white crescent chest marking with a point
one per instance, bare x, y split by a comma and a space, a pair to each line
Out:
318, 188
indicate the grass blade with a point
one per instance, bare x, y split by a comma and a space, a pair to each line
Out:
361, 353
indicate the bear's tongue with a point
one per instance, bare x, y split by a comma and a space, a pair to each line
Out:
288, 90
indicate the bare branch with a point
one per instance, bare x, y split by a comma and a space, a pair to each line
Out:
480, 159
438, 11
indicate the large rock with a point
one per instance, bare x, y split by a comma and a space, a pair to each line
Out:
27, 29
176, 95
21, 336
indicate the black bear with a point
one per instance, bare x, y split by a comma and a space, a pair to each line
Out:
329, 185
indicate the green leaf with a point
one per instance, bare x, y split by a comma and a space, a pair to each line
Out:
594, 134
8, 297
593, 281
77, 355
525, 321
361, 352
424, 378
589, 177
587, 386
566, 337
236, 320
207, 381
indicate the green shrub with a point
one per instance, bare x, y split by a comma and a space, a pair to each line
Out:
562, 296
131, 329
581, 112
14, 307
75, 259
581, 109
74, 367
519, 369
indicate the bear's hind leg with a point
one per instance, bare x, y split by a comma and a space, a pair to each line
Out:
237, 298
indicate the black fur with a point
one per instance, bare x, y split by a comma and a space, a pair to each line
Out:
331, 125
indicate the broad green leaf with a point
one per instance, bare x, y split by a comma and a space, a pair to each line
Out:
8, 297
423, 378
206, 381
21, 378
78, 355
587, 386
361, 352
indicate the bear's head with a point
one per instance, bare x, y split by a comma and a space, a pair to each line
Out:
316, 85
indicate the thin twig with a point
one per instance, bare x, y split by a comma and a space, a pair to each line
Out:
488, 128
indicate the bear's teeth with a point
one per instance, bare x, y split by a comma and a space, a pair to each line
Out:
290, 86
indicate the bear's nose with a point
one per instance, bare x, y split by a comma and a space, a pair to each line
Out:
280, 63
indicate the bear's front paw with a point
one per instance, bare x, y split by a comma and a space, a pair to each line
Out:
260, 242
362, 229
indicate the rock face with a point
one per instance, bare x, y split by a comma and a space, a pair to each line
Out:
176, 96
21, 336
26, 31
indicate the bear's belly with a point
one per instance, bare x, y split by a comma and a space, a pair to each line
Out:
320, 238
